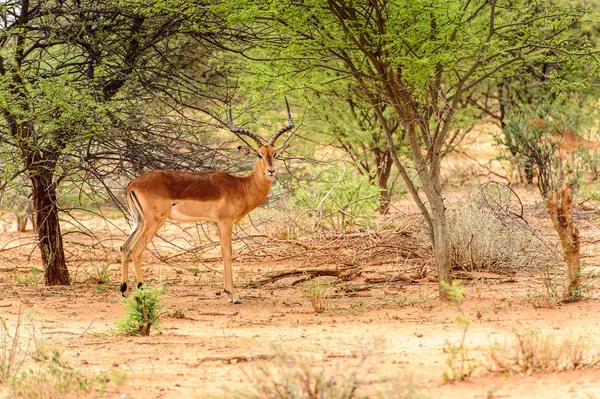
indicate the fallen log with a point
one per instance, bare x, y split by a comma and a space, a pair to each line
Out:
232, 359
390, 279
342, 274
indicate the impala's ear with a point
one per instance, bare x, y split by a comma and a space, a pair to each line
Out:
245, 149
280, 150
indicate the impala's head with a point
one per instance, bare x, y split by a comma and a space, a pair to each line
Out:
266, 152
266, 155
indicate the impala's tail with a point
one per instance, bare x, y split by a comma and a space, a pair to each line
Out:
135, 209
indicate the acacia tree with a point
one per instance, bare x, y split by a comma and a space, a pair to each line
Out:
421, 58
63, 71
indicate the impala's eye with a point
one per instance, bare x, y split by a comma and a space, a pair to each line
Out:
260, 156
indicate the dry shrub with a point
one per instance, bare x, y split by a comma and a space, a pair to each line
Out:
293, 375
532, 352
484, 239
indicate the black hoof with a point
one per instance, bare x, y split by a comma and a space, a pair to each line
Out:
139, 287
123, 289
237, 302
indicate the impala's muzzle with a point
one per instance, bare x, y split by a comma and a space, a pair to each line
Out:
271, 172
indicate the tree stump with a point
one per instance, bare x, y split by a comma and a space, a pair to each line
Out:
560, 209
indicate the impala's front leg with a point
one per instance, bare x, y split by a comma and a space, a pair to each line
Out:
125, 256
126, 252
225, 229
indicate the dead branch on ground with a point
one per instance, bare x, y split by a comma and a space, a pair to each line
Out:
232, 359
341, 274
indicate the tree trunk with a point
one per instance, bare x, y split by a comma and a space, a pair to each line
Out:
441, 244
383, 160
45, 215
560, 209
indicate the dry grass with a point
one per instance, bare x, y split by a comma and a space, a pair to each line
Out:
531, 352
483, 241
301, 376
29, 369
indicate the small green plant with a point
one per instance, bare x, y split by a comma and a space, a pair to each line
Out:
100, 288
358, 307
591, 190
460, 365
119, 377
455, 291
315, 290
401, 300
143, 311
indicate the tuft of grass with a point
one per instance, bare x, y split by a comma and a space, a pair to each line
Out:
99, 275
52, 379
142, 311
11, 358
176, 313
531, 352
542, 300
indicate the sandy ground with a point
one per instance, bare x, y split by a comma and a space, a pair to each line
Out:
385, 336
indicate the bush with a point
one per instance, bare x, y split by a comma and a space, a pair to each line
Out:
143, 311
483, 240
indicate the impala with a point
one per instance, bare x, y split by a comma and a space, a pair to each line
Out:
215, 196
566, 140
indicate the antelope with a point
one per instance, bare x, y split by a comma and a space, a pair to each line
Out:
566, 140
215, 196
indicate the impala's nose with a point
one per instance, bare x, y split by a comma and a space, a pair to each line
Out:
270, 172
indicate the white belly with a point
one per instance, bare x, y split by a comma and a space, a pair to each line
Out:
178, 214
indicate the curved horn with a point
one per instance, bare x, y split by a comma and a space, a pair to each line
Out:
238, 130
281, 131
